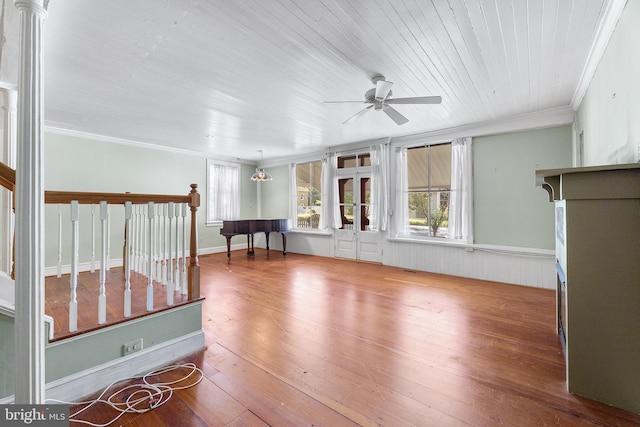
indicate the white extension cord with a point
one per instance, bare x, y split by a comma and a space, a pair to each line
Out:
154, 393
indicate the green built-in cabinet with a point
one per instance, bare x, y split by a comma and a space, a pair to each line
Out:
598, 254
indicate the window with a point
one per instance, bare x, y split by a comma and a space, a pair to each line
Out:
308, 194
223, 191
353, 161
429, 187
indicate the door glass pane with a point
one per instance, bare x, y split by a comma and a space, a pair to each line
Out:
365, 199
345, 190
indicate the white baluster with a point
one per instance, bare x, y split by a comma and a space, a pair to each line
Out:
93, 238
143, 241
102, 299
136, 238
176, 271
169, 264
108, 238
127, 260
59, 274
151, 215
132, 246
184, 250
162, 267
73, 298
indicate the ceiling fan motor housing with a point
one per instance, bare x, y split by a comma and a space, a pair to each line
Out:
370, 96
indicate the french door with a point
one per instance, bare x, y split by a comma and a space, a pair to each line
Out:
355, 240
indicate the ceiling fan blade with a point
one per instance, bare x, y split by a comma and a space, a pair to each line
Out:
415, 100
357, 115
383, 88
344, 102
395, 115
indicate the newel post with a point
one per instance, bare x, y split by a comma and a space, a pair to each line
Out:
194, 267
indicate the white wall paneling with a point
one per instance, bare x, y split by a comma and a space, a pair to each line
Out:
520, 266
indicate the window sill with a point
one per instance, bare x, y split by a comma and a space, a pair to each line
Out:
470, 247
314, 231
431, 241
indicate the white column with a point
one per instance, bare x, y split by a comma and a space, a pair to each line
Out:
29, 193
9, 156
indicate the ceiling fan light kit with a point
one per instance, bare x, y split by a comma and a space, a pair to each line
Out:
380, 99
260, 174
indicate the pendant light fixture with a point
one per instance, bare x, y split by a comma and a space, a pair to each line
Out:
261, 174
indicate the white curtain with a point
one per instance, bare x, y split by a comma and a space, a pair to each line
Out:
400, 216
223, 190
379, 203
325, 208
293, 195
461, 198
330, 217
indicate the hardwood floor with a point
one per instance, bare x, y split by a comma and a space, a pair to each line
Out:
57, 291
310, 341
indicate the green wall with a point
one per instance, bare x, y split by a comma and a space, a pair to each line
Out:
73, 355
76, 354
275, 194
7, 339
82, 164
248, 197
508, 208
608, 114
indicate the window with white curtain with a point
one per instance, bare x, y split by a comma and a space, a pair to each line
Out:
223, 191
434, 184
308, 194
429, 186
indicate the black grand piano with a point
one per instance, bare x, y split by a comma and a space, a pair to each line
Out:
249, 227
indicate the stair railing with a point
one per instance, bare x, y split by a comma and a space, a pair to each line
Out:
155, 241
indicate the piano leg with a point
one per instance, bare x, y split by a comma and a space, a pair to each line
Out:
228, 246
284, 243
250, 250
267, 234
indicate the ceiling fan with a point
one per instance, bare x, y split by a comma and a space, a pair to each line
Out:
380, 99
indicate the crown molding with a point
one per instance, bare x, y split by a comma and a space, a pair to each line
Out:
613, 12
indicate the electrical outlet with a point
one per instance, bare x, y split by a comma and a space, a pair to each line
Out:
132, 347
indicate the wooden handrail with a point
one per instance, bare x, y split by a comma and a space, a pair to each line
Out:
112, 198
7, 177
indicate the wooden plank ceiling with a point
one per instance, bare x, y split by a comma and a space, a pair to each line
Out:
228, 78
